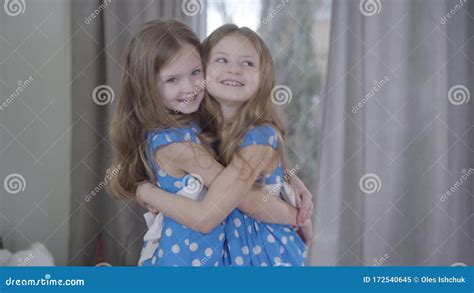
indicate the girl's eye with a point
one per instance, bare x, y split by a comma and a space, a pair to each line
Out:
196, 72
172, 80
221, 60
248, 63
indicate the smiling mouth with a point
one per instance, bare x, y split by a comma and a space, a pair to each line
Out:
230, 82
188, 98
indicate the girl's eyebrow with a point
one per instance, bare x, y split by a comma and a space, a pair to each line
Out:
242, 56
176, 75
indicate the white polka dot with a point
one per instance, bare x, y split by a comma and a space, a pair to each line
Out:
221, 236
193, 246
257, 227
282, 250
284, 240
161, 173
175, 248
246, 217
292, 238
187, 136
155, 136
277, 260
153, 260
239, 260
168, 232
287, 230
196, 263
270, 238
216, 264
245, 250
186, 241
257, 249
264, 264
168, 139
160, 253
304, 253
269, 228
249, 228
208, 252
237, 222
270, 140
236, 233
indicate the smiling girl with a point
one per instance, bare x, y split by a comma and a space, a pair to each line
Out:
157, 136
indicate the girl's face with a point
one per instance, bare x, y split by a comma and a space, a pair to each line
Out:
180, 82
233, 70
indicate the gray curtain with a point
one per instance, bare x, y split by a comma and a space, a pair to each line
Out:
100, 32
395, 184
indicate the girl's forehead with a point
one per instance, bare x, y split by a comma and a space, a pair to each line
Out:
235, 45
187, 58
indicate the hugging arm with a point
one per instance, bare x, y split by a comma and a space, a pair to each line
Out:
228, 188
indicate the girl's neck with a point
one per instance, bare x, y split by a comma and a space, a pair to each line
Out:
228, 110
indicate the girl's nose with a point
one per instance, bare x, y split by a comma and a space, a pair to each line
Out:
188, 86
235, 69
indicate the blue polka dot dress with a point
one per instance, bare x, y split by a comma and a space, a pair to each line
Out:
254, 243
180, 245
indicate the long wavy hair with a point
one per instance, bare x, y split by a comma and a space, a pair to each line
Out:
139, 106
259, 109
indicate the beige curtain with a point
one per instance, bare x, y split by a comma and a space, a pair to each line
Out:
100, 32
